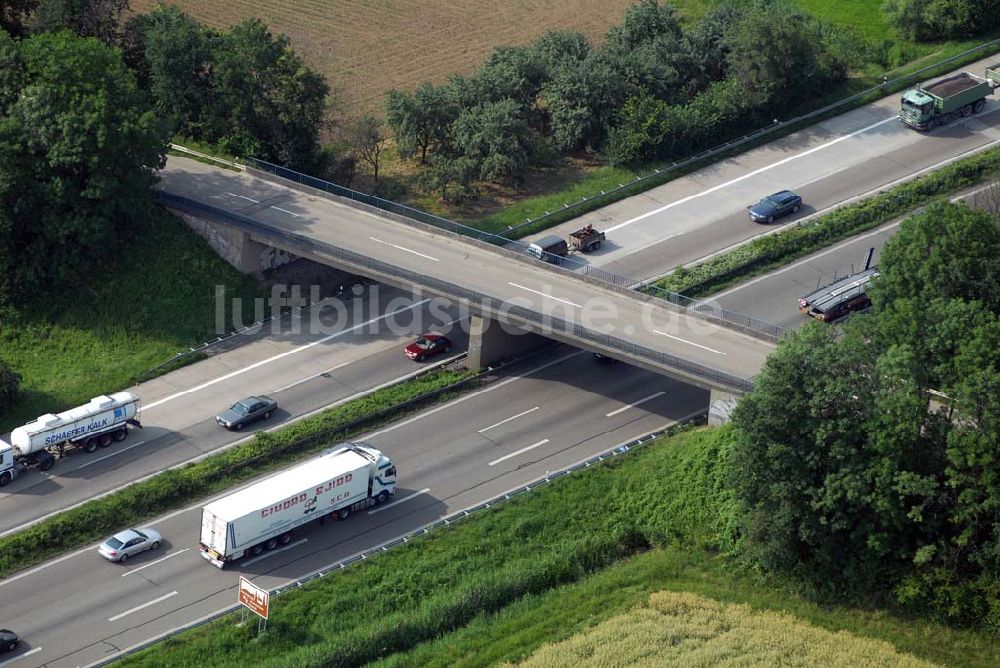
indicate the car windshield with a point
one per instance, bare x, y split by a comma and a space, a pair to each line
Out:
113, 543
423, 343
241, 408
769, 201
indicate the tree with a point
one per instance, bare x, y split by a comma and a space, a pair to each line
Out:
929, 20
86, 18
643, 23
582, 98
452, 178
265, 101
557, 48
14, 15
789, 66
496, 137
177, 52
367, 141
10, 386
707, 41
947, 251
838, 462
78, 151
422, 120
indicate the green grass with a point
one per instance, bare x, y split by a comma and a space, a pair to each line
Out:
863, 16
156, 300
534, 621
538, 569
268, 451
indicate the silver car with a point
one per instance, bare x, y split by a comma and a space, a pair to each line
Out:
129, 543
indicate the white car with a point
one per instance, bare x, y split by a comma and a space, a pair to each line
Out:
129, 543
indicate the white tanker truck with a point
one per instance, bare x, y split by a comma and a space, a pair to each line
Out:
94, 425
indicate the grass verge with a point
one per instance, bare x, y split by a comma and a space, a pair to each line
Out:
155, 300
539, 568
267, 451
766, 253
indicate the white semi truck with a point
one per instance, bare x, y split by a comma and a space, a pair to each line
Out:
344, 479
95, 424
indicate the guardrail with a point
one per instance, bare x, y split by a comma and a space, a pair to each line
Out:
486, 302
618, 450
205, 156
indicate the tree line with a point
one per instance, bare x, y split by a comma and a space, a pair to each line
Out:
867, 459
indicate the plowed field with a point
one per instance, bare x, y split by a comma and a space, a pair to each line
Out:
366, 47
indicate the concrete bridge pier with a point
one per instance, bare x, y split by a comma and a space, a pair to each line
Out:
720, 407
491, 341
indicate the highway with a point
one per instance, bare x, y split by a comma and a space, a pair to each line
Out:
80, 608
829, 163
359, 349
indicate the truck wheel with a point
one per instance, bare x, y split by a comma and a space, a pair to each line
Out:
271, 544
978, 106
596, 246
967, 110
4, 478
382, 497
343, 514
120, 434
46, 461
256, 549
90, 445
285, 538
104, 440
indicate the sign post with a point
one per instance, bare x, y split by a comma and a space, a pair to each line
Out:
256, 599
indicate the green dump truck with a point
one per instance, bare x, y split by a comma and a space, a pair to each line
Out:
943, 101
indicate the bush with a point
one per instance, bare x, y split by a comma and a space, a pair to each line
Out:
10, 386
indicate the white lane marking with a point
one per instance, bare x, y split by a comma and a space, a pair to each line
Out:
117, 452
399, 501
564, 301
144, 605
402, 248
634, 404
512, 417
690, 343
153, 563
315, 375
748, 175
465, 397
807, 259
245, 197
238, 372
271, 553
21, 656
519, 452
290, 213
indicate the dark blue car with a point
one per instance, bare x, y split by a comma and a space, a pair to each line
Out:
775, 206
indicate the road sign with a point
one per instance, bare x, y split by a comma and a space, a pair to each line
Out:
254, 597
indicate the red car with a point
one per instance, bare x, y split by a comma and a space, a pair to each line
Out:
428, 345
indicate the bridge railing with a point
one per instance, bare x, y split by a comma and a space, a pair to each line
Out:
488, 303
754, 325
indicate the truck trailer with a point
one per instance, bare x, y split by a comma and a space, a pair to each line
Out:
341, 481
90, 426
943, 101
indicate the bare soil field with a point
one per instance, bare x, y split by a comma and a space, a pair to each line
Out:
366, 47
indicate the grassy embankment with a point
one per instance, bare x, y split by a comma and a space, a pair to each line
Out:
154, 301
542, 568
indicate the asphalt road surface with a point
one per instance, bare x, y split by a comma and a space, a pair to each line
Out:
324, 356
828, 163
80, 608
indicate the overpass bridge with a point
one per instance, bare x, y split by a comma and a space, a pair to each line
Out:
708, 347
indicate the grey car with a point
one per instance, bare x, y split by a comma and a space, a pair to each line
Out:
246, 411
774, 206
129, 543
